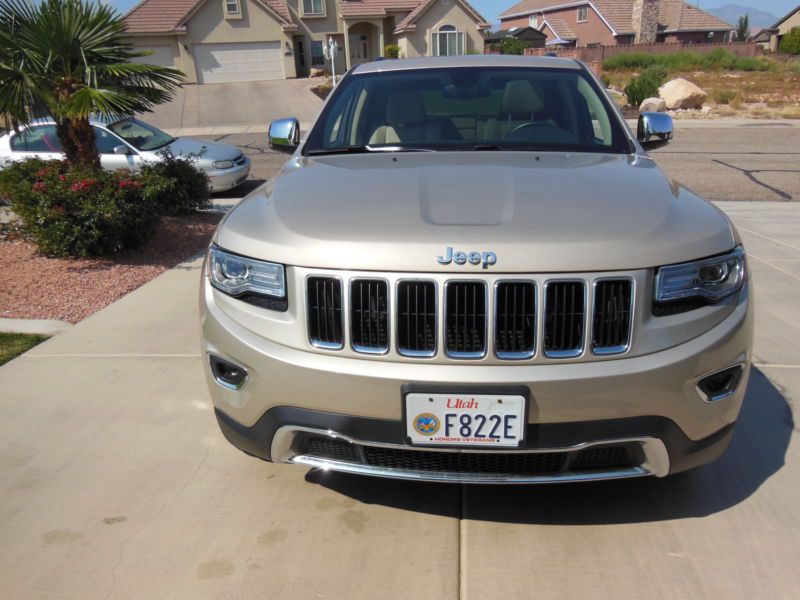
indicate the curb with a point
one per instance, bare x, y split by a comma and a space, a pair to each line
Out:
33, 326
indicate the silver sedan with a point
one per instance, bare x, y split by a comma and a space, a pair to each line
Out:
126, 144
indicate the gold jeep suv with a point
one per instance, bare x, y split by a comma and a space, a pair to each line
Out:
471, 271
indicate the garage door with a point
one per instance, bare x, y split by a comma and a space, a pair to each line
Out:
161, 56
221, 63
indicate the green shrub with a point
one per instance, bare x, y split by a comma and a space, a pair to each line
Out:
645, 85
512, 45
175, 185
391, 51
78, 211
605, 79
687, 60
723, 96
790, 43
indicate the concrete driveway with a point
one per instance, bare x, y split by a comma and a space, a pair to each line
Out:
115, 483
244, 105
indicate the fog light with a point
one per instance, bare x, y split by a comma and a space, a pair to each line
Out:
227, 374
721, 384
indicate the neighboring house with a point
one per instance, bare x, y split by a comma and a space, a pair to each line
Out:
617, 22
769, 38
533, 37
217, 41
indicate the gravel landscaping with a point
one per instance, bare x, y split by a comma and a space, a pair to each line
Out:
35, 287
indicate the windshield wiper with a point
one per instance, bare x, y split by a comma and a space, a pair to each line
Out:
365, 149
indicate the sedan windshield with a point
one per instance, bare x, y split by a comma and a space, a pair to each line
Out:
468, 108
141, 135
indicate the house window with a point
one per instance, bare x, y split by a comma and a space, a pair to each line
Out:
317, 54
583, 14
232, 8
534, 21
313, 7
447, 41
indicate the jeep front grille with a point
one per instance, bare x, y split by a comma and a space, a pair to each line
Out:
416, 318
325, 312
377, 314
515, 319
612, 316
564, 312
369, 315
465, 319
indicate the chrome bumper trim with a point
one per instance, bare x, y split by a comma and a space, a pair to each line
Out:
656, 461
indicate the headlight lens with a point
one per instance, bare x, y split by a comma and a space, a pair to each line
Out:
236, 275
222, 164
712, 278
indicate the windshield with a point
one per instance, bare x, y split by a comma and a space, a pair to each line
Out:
141, 135
460, 108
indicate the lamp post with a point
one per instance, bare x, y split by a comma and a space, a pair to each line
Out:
331, 51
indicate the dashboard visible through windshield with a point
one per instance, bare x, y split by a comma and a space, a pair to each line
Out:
468, 108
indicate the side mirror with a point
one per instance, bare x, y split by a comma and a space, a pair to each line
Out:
122, 150
654, 128
284, 134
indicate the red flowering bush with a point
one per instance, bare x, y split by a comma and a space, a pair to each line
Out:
77, 211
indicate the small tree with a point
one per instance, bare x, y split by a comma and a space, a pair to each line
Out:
790, 43
68, 59
743, 29
512, 45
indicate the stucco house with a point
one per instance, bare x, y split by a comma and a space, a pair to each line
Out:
617, 22
218, 41
769, 38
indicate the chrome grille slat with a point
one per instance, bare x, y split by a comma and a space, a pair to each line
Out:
324, 296
564, 317
612, 315
416, 312
465, 319
369, 315
515, 319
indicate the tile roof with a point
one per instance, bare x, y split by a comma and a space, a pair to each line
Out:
673, 15
375, 8
409, 22
167, 16
560, 28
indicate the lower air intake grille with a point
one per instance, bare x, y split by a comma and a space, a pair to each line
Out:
465, 462
612, 316
515, 323
606, 457
325, 312
465, 319
369, 300
416, 318
329, 448
564, 318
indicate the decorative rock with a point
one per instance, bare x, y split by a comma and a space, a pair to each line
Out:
653, 105
680, 93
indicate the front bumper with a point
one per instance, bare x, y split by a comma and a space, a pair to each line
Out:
227, 179
648, 403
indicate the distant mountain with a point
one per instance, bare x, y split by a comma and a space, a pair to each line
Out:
730, 13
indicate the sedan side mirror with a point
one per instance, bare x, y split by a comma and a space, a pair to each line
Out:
284, 134
122, 150
654, 128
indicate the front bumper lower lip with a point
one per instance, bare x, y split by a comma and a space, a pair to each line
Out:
656, 461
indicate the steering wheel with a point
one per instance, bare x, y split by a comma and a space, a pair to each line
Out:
525, 125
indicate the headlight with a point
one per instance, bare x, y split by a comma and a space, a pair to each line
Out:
236, 275
712, 278
222, 164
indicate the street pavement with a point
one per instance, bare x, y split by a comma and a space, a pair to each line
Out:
115, 482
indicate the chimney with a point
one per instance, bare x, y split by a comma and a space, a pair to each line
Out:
645, 21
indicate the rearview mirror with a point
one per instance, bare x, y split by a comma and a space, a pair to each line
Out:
284, 134
122, 150
654, 128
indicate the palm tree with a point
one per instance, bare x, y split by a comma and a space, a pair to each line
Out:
68, 59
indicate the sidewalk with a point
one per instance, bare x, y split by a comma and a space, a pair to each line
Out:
116, 484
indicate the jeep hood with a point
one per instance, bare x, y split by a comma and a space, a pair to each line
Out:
550, 212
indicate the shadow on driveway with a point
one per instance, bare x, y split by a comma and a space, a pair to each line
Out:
756, 452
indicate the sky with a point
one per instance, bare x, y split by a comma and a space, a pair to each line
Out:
491, 8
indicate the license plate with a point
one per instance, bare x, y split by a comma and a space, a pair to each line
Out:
465, 420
